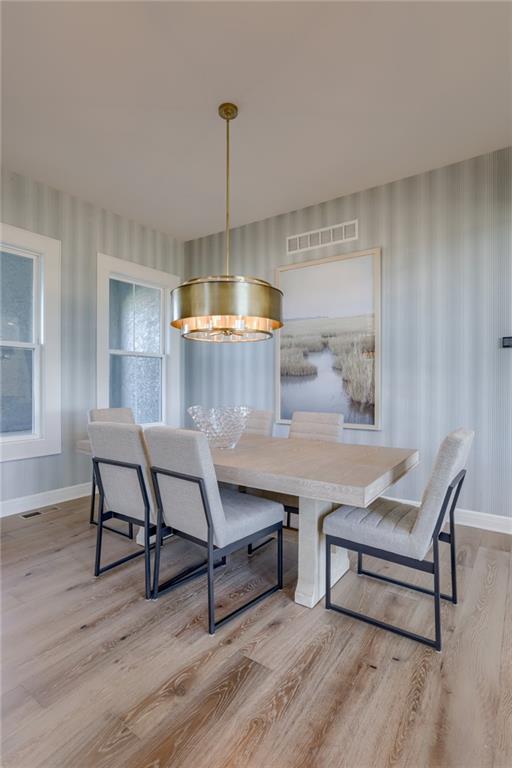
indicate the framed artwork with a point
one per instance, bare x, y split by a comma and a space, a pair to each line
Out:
328, 353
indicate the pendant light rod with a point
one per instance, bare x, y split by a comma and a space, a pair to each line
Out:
227, 197
228, 112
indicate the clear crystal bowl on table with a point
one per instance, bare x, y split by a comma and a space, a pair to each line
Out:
222, 426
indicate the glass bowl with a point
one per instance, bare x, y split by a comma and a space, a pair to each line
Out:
222, 426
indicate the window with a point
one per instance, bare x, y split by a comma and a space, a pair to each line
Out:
136, 349
30, 423
138, 361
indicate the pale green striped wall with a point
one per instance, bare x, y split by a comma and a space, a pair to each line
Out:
446, 300
83, 229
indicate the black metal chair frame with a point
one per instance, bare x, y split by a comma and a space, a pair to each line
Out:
208, 566
92, 521
426, 566
149, 528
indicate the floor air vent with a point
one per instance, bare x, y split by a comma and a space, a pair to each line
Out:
320, 238
37, 512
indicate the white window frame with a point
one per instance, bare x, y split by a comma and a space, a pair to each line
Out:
46, 439
120, 269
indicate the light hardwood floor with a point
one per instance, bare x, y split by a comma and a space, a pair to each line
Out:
95, 676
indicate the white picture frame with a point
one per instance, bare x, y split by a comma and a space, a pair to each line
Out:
364, 270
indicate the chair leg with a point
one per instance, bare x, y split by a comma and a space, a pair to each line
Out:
437, 595
212, 623
93, 499
432, 643
327, 572
147, 557
279, 558
158, 547
453, 563
359, 562
211, 595
99, 536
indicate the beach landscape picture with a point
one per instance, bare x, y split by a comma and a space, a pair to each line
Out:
329, 345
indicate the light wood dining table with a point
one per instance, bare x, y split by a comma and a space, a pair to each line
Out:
323, 475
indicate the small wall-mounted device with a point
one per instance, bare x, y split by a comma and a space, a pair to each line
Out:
506, 341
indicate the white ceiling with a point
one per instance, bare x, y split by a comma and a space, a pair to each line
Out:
117, 102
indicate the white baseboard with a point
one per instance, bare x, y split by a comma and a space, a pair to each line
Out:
485, 521
45, 499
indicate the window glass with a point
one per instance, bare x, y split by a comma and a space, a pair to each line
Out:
121, 305
136, 383
147, 319
16, 391
16, 297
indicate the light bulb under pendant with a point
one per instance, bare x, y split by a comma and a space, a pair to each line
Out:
226, 308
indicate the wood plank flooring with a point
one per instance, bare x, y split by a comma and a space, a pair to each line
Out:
94, 676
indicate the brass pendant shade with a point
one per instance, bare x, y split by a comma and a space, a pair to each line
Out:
226, 308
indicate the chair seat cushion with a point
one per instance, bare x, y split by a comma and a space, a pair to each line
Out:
246, 514
84, 446
385, 524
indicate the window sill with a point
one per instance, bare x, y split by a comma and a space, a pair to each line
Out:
30, 447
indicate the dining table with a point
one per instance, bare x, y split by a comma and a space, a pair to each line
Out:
323, 475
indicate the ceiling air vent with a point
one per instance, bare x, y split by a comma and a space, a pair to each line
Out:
319, 238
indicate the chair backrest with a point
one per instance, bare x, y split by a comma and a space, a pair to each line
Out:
125, 443
260, 423
317, 426
450, 459
114, 415
186, 452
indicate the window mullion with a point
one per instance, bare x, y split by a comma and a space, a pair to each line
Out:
19, 344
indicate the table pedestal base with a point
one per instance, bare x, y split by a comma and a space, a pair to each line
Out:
311, 573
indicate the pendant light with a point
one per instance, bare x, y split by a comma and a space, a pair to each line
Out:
226, 308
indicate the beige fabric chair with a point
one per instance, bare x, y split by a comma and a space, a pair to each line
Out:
122, 475
306, 425
113, 415
191, 504
401, 533
260, 423
317, 426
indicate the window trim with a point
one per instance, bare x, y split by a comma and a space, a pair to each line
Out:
46, 439
112, 267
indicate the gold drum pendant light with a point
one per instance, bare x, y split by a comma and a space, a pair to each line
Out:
226, 308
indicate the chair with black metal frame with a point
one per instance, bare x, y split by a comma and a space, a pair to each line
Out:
114, 416
122, 476
305, 425
259, 423
309, 425
407, 532
190, 503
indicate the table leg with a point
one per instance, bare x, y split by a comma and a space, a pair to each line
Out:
311, 578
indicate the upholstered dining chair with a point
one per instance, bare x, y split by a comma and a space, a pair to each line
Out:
400, 533
122, 475
115, 416
306, 425
317, 426
190, 503
260, 423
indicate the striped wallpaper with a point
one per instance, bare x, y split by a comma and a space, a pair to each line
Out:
83, 229
446, 301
